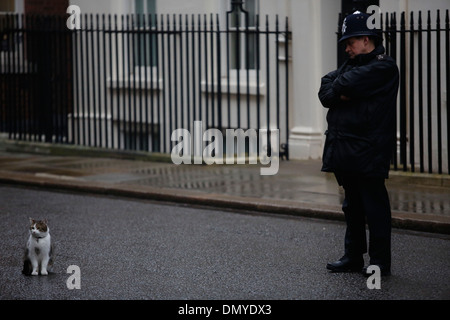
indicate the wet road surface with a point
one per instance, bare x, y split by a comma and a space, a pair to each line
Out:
136, 249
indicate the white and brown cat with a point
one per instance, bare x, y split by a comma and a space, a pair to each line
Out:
38, 253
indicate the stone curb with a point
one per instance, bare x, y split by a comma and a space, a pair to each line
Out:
8, 145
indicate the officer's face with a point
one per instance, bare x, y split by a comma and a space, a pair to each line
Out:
357, 45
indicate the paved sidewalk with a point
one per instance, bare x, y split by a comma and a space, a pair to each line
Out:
419, 202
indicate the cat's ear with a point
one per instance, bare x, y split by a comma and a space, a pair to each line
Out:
32, 221
45, 221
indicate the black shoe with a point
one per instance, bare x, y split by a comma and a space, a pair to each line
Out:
346, 264
384, 271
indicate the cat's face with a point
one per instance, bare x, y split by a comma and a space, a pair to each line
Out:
38, 228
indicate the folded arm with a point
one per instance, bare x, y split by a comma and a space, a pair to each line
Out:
327, 94
364, 81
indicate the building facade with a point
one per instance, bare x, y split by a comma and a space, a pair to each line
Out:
311, 52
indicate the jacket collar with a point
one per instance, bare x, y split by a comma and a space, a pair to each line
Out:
365, 58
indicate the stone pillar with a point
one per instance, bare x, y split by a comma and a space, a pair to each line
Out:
313, 54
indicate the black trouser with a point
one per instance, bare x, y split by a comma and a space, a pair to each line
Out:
367, 198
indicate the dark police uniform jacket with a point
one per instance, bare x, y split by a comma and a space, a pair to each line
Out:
361, 132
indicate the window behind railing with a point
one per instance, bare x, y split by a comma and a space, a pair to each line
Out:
243, 48
145, 46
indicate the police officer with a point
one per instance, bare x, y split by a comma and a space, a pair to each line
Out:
361, 100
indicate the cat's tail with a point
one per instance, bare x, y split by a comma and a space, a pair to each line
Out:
27, 268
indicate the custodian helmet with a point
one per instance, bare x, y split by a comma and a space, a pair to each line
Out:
355, 25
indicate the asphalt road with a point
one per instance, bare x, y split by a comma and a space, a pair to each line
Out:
136, 249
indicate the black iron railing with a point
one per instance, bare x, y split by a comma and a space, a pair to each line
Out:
127, 81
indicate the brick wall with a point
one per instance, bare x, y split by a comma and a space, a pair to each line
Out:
51, 7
